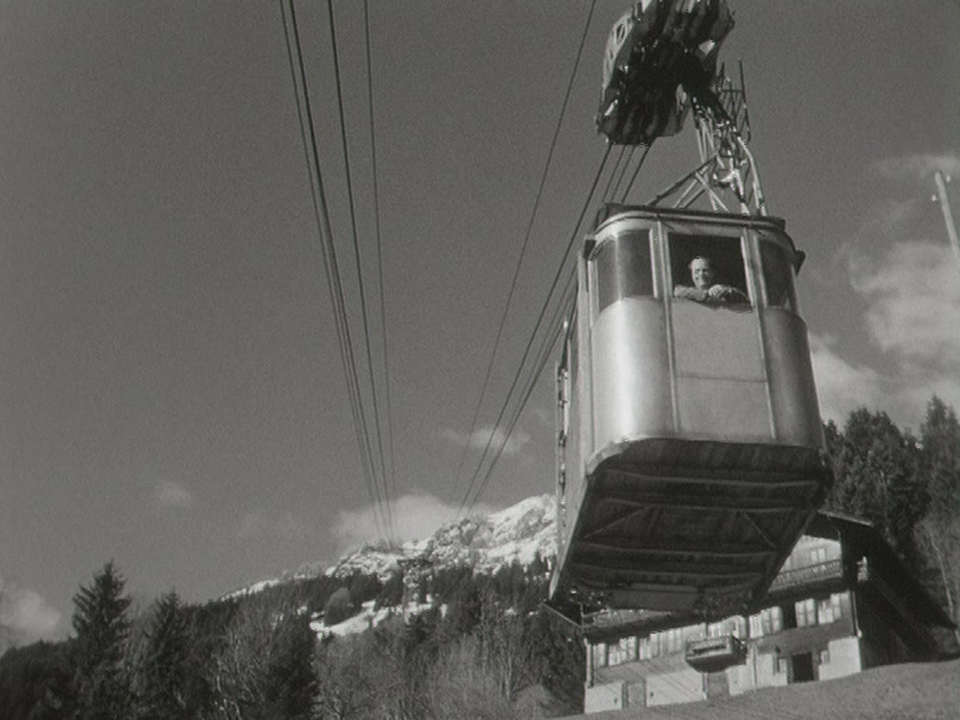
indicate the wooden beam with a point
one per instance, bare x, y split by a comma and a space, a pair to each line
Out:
674, 569
690, 502
675, 549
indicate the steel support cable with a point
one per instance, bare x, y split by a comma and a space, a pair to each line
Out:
623, 171
390, 477
328, 248
543, 355
613, 173
526, 242
335, 287
633, 178
537, 325
357, 259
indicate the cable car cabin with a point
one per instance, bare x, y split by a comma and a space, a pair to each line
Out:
689, 431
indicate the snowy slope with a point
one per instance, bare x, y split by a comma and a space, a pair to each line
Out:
520, 533
486, 543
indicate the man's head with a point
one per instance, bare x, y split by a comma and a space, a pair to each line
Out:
702, 273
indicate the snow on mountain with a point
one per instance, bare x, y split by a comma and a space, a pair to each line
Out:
484, 543
520, 533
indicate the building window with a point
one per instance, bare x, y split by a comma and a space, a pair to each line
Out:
649, 647
818, 556
776, 619
623, 652
600, 655
671, 641
766, 622
730, 626
806, 612
830, 609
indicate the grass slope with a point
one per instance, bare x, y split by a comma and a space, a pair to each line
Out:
929, 691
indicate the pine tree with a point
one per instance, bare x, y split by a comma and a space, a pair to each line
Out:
101, 623
163, 691
35, 682
876, 467
339, 607
291, 681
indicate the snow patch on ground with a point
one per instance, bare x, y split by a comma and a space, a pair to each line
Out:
369, 617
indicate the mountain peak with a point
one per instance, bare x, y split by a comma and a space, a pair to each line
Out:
485, 543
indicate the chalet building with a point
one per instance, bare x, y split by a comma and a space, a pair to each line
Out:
842, 602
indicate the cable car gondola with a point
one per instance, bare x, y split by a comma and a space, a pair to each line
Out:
690, 445
690, 435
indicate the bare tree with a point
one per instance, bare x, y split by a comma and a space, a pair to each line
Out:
264, 666
464, 683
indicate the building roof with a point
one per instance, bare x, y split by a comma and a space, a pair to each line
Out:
861, 537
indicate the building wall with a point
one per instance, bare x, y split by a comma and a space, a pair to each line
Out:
844, 657
679, 686
608, 696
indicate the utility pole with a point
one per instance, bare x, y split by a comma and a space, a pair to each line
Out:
941, 180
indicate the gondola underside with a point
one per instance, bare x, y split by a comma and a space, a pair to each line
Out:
689, 526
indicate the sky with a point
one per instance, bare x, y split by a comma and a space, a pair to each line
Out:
171, 389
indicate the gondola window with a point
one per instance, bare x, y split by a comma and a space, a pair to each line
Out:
777, 276
622, 268
723, 254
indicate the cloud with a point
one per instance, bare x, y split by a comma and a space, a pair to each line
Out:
912, 318
168, 493
887, 218
914, 302
415, 515
482, 436
26, 616
841, 386
918, 167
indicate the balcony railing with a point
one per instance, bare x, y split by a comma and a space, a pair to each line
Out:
808, 575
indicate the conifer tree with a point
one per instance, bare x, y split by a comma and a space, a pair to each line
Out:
101, 623
339, 607
876, 466
163, 691
291, 680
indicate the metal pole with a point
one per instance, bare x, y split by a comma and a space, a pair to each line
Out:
938, 177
